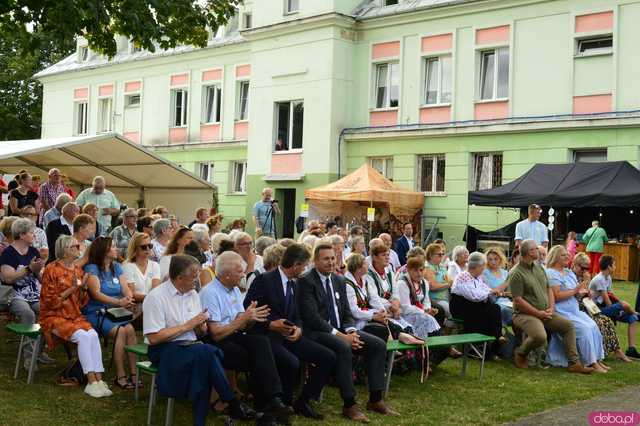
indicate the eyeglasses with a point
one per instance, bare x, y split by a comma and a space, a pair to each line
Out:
583, 268
146, 246
132, 216
30, 214
440, 254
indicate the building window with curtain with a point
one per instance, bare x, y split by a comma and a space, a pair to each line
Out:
387, 93
384, 165
487, 170
438, 77
494, 74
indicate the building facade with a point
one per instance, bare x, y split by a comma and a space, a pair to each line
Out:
441, 96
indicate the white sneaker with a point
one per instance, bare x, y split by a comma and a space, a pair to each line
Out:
94, 390
105, 388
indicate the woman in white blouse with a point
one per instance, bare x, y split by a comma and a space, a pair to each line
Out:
458, 263
142, 273
473, 301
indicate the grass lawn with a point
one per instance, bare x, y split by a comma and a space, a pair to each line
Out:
505, 394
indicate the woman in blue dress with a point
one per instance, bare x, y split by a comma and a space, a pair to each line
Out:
495, 276
566, 288
108, 289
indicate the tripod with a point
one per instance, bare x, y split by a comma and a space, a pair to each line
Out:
271, 219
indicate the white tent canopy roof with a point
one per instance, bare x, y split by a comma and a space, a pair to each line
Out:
121, 162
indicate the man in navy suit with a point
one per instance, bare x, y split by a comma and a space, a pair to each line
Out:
277, 289
326, 316
405, 243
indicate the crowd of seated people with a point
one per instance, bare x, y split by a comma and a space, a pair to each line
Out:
215, 303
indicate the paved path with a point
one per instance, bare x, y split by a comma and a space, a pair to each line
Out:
626, 399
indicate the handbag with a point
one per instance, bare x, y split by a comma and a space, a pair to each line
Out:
72, 374
119, 314
590, 306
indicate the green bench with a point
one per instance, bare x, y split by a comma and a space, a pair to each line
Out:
468, 342
148, 368
139, 350
25, 331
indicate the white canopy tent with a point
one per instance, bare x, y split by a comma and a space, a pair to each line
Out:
136, 175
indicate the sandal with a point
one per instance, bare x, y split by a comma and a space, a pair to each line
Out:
126, 385
132, 380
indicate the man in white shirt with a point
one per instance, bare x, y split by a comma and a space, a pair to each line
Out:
172, 319
532, 229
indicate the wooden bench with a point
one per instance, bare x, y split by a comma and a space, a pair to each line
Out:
468, 342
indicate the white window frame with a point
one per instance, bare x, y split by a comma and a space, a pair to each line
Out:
434, 178
387, 165
245, 16
240, 85
127, 100
81, 119
575, 153
474, 163
425, 65
496, 67
110, 113
385, 3
289, 141
83, 53
594, 52
209, 167
291, 7
217, 103
387, 99
242, 185
184, 104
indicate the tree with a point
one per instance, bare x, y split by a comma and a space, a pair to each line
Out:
166, 22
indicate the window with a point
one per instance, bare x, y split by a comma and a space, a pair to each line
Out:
81, 115
205, 171
389, 2
179, 107
105, 115
590, 156
292, 6
487, 171
83, 53
243, 101
595, 45
247, 21
387, 85
211, 98
289, 124
437, 80
494, 74
238, 181
384, 165
132, 101
431, 174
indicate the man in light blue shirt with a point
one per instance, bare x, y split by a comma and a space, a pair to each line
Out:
228, 325
532, 229
107, 203
264, 214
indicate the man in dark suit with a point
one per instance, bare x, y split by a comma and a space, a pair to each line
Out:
276, 289
61, 226
326, 318
405, 243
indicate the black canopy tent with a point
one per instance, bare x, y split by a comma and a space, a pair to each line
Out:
607, 191
575, 185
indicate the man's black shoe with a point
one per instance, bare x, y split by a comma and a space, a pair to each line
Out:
240, 411
277, 408
632, 353
266, 421
305, 409
283, 421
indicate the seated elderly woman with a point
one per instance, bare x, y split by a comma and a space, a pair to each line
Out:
162, 235
84, 228
566, 289
5, 228
610, 340
459, 257
472, 301
64, 293
495, 276
272, 256
368, 309
21, 267
412, 290
338, 247
200, 248
357, 245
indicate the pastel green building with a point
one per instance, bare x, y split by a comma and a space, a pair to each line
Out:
441, 97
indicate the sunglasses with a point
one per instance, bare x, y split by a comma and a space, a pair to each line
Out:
146, 246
